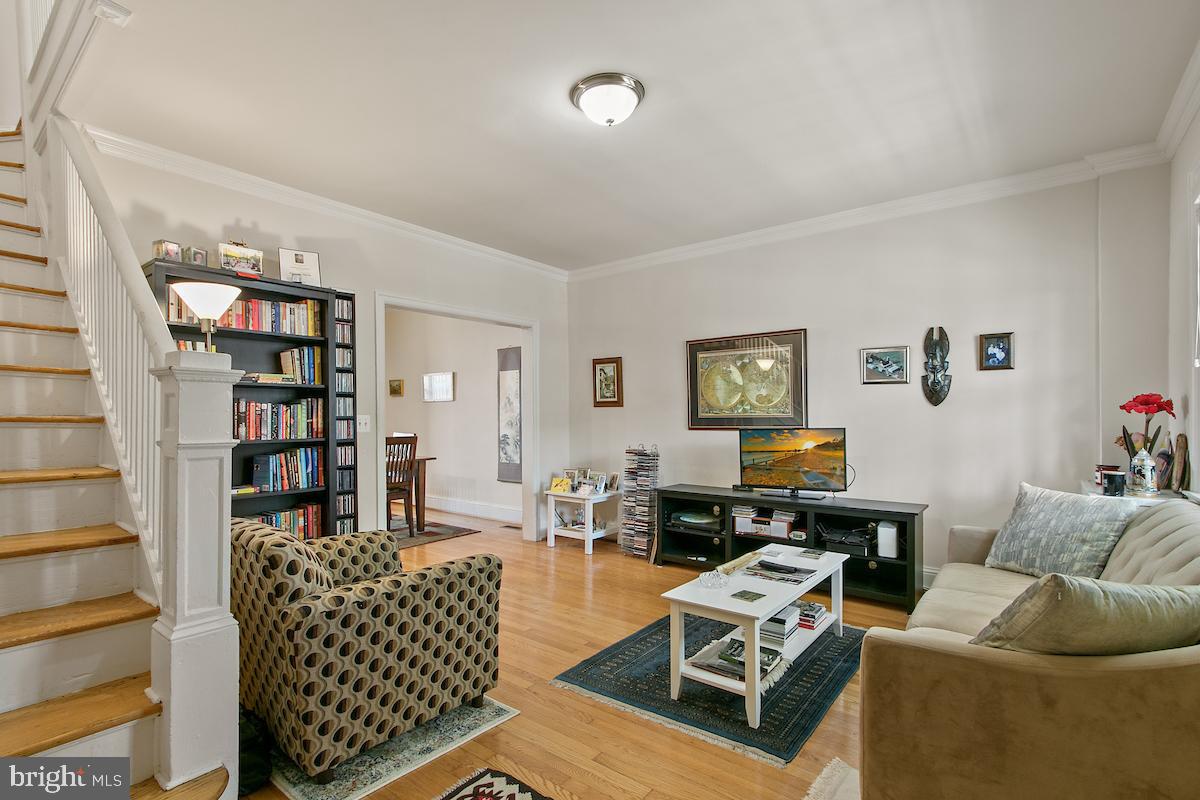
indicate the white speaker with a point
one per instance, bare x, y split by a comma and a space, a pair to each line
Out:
888, 543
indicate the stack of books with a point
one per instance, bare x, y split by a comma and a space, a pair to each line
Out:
637, 505
780, 629
728, 658
811, 614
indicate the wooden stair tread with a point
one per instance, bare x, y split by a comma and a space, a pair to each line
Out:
19, 287
9, 134
24, 257
20, 226
43, 370
37, 326
36, 544
51, 419
14, 198
12, 164
207, 787
9, 476
85, 615
51, 723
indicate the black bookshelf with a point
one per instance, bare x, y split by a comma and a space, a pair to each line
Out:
258, 351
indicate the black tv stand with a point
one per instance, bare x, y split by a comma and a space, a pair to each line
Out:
893, 580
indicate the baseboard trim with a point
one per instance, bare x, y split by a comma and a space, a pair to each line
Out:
927, 576
472, 508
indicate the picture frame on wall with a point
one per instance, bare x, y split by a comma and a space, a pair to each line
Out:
995, 351
758, 380
396, 387
299, 266
884, 364
438, 387
608, 390
508, 413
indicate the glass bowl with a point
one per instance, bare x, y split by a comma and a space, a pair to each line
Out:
714, 580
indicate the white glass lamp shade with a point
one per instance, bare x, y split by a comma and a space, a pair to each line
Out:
608, 98
206, 300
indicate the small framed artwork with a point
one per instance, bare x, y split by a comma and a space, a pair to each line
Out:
438, 387
572, 475
884, 364
996, 351
299, 266
396, 387
613, 479
607, 389
195, 256
167, 250
238, 257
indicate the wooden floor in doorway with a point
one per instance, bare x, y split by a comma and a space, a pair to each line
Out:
557, 608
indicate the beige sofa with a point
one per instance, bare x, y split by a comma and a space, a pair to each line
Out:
943, 718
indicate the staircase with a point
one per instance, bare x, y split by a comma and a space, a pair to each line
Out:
76, 608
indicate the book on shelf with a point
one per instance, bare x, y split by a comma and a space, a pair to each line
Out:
346, 455
303, 364
300, 468
344, 406
347, 504
344, 358
344, 382
194, 347
257, 421
344, 428
345, 526
269, 377
343, 333
264, 316
343, 309
345, 481
303, 522
237, 490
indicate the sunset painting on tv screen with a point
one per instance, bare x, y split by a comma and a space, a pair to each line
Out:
797, 458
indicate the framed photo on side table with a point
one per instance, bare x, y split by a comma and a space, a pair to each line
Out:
607, 388
755, 381
996, 351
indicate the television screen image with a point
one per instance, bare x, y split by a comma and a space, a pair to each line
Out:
811, 459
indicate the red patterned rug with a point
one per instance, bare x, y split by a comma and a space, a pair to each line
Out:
490, 784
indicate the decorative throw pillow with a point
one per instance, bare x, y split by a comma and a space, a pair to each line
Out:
1053, 531
1065, 615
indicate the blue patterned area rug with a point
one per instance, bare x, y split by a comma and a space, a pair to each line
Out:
393, 759
635, 674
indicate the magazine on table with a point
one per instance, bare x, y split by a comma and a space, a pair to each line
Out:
728, 658
778, 571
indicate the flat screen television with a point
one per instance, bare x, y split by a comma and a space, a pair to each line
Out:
794, 459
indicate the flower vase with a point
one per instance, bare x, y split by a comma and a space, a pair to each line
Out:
1143, 475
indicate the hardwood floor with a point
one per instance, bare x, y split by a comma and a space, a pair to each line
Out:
559, 607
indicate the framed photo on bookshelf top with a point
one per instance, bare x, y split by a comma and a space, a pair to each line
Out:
758, 380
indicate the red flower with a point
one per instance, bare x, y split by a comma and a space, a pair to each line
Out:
1148, 404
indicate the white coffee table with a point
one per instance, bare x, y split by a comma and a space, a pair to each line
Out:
718, 604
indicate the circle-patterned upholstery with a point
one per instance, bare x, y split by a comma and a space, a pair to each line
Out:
335, 670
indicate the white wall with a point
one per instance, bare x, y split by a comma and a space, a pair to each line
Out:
368, 260
10, 70
1030, 264
462, 435
1185, 186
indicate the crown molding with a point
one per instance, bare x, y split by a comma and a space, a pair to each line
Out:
139, 152
1184, 105
1086, 169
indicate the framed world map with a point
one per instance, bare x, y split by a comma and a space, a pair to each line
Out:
754, 381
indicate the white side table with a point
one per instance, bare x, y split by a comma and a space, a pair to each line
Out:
587, 532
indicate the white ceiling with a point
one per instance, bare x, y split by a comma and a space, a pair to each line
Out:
454, 114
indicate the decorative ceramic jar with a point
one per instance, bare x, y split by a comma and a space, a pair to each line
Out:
1143, 475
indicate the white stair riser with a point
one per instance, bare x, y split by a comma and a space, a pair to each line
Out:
134, 740
53, 667
14, 211
32, 446
12, 148
39, 348
43, 393
19, 240
27, 273
12, 181
39, 308
51, 506
58, 578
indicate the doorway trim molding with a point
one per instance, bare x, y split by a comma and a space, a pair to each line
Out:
531, 375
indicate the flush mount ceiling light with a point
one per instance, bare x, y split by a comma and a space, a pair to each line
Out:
608, 98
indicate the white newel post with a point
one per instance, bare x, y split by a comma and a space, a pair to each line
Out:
194, 649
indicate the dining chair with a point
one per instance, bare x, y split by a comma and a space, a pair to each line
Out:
400, 460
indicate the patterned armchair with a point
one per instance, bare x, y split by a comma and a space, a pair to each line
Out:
341, 651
